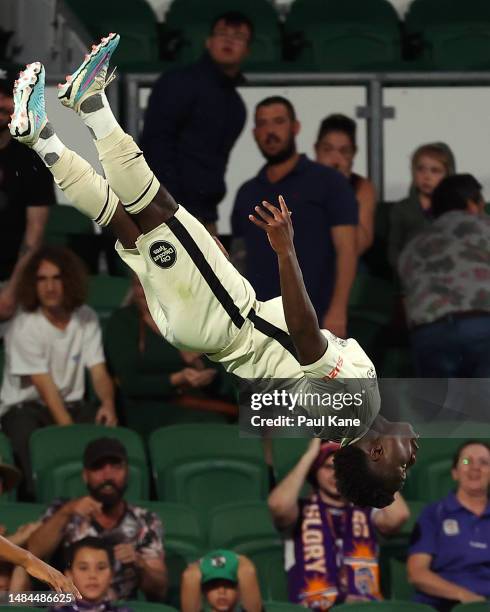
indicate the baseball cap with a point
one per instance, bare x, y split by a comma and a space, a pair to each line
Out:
326, 449
10, 475
219, 565
8, 74
103, 448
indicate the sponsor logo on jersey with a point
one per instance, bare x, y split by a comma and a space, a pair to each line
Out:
163, 254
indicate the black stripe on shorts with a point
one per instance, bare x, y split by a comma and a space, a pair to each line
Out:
268, 329
195, 253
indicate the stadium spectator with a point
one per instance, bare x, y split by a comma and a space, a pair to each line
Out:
342, 564
221, 581
26, 192
449, 555
147, 367
430, 164
194, 117
133, 533
48, 346
444, 272
325, 217
90, 565
336, 146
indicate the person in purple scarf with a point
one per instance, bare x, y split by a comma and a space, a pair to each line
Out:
331, 553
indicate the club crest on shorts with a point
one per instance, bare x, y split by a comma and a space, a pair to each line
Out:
163, 254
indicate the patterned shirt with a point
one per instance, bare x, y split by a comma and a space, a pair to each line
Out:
446, 268
138, 526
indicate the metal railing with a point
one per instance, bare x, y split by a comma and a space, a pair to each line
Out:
374, 112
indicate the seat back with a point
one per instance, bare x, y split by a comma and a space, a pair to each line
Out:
106, 293
207, 465
15, 514
57, 455
247, 528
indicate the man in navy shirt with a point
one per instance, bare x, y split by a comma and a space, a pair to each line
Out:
324, 210
449, 557
195, 116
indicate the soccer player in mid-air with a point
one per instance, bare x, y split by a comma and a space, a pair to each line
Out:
198, 300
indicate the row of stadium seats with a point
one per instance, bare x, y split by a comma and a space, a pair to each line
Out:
316, 34
206, 465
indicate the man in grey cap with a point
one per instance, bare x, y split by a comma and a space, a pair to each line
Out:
134, 533
26, 193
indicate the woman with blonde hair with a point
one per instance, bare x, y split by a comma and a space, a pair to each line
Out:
430, 164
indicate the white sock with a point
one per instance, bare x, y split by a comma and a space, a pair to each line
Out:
97, 115
48, 146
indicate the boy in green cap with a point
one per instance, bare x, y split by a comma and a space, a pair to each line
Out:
221, 581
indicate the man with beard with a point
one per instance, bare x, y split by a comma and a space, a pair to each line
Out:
331, 554
26, 192
134, 533
324, 211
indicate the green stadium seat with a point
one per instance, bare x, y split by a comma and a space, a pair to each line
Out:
56, 454
400, 588
190, 20
393, 605
65, 222
282, 606
147, 606
134, 21
146, 416
106, 293
286, 452
462, 46
344, 36
181, 526
207, 465
184, 541
372, 299
276, 581
15, 514
454, 39
423, 13
475, 606
351, 46
247, 528
305, 12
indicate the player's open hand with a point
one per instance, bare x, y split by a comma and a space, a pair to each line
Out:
56, 580
276, 222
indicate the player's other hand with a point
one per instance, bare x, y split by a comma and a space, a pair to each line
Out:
276, 222
56, 580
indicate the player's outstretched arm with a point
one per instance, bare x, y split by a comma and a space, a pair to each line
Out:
300, 315
37, 568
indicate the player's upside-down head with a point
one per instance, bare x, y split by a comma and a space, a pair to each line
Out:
371, 470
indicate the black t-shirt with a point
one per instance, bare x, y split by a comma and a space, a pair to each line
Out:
24, 181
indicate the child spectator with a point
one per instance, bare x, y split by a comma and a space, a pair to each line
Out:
221, 581
90, 565
430, 164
